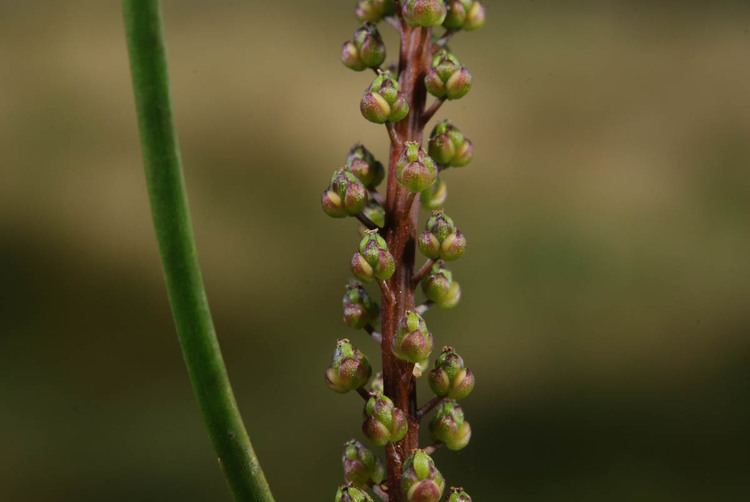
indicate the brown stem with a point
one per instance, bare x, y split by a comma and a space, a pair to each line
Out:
362, 392
400, 233
422, 272
432, 110
429, 406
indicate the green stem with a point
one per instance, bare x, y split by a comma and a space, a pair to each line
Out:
166, 186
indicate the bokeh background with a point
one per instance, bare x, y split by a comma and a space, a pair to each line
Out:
606, 283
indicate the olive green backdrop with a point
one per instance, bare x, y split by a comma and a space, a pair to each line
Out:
606, 283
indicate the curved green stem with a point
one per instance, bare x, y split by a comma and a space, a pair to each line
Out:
166, 186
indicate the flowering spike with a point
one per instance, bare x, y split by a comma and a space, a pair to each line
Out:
434, 197
373, 261
420, 479
361, 466
365, 50
359, 309
458, 495
464, 15
448, 146
345, 195
447, 79
449, 426
450, 378
440, 287
441, 239
349, 368
350, 493
382, 101
415, 169
361, 162
425, 13
384, 423
413, 342
374, 10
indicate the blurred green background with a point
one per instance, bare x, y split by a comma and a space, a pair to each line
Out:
606, 283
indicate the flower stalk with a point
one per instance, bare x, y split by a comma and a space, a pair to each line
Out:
171, 217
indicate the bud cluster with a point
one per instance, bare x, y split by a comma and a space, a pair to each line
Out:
415, 170
447, 79
448, 425
449, 147
464, 15
413, 342
361, 466
349, 368
345, 195
439, 287
359, 309
383, 101
365, 50
384, 423
374, 10
441, 239
451, 378
424, 13
420, 479
373, 260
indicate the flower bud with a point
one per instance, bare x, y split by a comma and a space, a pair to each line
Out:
374, 10
375, 213
413, 342
464, 15
361, 466
440, 287
425, 13
350, 493
349, 369
361, 162
384, 422
441, 240
365, 50
373, 261
415, 169
448, 425
359, 309
448, 78
376, 385
434, 196
451, 378
459, 495
345, 196
448, 146
420, 479
382, 101
474, 17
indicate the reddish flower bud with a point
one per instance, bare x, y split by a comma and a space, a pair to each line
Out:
384, 422
413, 342
420, 479
447, 78
359, 309
449, 426
361, 466
415, 169
365, 50
451, 378
448, 146
374, 10
345, 196
425, 13
361, 162
440, 287
349, 369
382, 101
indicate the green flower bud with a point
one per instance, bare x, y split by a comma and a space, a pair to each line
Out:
456, 13
375, 213
376, 385
365, 50
448, 425
440, 287
448, 146
448, 78
361, 466
474, 17
464, 15
434, 197
361, 162
345, 196
350, 493
451, 378
373, 261
441, 240
458, 495
349, 369
420, 479
413, 342
384, 423
359, 309
374, 10
425, 13
382, 101
415, 169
